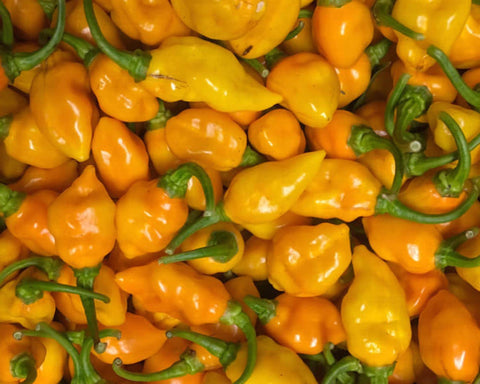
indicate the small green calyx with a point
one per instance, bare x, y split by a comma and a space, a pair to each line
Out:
22, 366
264, 308
27, 293
161, 118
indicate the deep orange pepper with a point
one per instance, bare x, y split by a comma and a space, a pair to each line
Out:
342, 189
25, 142
139, 340
267, 135
449, 338
28, 18
82, 221
110, 314
333, 138
254, 260
418, 288
341, 34
56, 179
304, 324
115, 147
464, 52
206, 136
307, 260
64, 109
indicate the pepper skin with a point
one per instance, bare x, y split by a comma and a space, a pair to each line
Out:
342, 34
195, 196
409, 368
206, 136
10, 169
11, 101
440, 21
115, 147
374, 312
449, 338
342, 189
302, 41
149, 22
464, 53
11, 249
64, 109
463, 291
28, 18
82, 221
277, 21
267, 135
306, 261
275, 364
254, 260
309, 87
471, 275
26, 143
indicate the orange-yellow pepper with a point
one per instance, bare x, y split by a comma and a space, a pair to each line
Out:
195, 196
342, 189
254, 260
464, 52
11, 249
410, 368
302, 41
10, 169
309, 87
463, 291
307, 260
11, 101
449, 338
82, 221
115, 147
468, 220
28, 18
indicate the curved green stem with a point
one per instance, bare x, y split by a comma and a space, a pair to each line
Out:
175, 183
30, 290
136, 63
363, 139
234, 315
446, 256
258, 67
393, 101
222, 247
161, 118
191, 227
377, 52
342, 366
187, 365
10, 201
50, 265
85, 279
389, 203
382, 10
23, 366
15, 62
332, 3
265, 309
86, 372
273, 57
295, 31
450, 182
472, 97
378, 375
7, 27
251, 157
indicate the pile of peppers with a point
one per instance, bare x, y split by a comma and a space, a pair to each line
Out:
240, 192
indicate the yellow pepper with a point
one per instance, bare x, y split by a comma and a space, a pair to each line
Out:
374, 312
11, 101
440, 21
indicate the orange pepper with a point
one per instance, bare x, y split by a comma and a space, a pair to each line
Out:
409, 367
468, 295
304, 324
28, 18
254, 260
309, 86
11, 249
471, 77
115, 147
206, 136
307, 260
139, 340
56, 179
82, 221
418, 288
471, 275
468, 220
195, 196
342, 189
10, 169
333, 138
341, 34
11, 101
239, 287
354, 80
26, 143
64, 109
449, 338
302, 41
267, 135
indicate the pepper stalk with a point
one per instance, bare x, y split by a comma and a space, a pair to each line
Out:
382, 10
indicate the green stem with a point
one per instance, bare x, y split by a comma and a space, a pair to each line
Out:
273, 57
446, 256
294, 32
393, 101
7, 27
363, 139
15, 62
87, 374
382, 10
377, 52
305, 14
251, 157
389, 203
472, 97
48, 7
161, 118
378, 375
187, 365
136, 63
175, 183
444, 380
342, 366
30, 290
50, 265
5, 122
10, 201
85, 279
224, 350
23, 366
332, 3
264, 308
191, 227
258, 67
450, 182
221, 247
